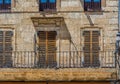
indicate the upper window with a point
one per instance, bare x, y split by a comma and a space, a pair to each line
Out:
92, 5
47, 5
5, 4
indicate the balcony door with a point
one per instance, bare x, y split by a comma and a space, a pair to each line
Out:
91, 49
6, 49
47, 49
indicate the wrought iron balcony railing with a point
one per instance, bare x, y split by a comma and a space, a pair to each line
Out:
5, 7
58, 59
92, 6
47, 7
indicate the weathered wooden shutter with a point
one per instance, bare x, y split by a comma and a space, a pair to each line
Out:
51, 45
47, 48
6, 48
95, 48
42, 49
87, 48
1, 48
91, 48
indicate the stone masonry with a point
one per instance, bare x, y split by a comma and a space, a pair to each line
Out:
70, 21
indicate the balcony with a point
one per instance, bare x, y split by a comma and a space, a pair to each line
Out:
58, 59
92, 6
5, 8
47, 7
55, 66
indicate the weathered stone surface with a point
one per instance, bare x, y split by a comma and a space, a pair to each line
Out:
56, 75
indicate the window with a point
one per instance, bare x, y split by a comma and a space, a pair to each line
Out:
5, 4
92, 5
91, 49
6, 49
47, 5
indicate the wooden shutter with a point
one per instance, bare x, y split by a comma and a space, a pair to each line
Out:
91, 48
1, 48
87, 48
51, 48
42, 49
6, 48
47, 48
95, 48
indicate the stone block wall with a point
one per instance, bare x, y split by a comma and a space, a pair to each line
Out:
75, 21
70, 37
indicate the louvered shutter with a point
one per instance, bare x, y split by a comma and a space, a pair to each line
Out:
87, 48
1, 48
42, 48
6, 48
51, 48
91, 49
95, 48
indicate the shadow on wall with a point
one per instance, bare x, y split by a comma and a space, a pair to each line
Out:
82, 3
66, 35
89, 13
52, 24
86, 14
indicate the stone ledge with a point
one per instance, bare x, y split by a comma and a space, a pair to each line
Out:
57, 75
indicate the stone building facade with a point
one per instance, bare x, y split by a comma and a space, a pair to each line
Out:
58, 40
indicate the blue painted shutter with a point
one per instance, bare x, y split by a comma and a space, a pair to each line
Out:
7, 1
1, 1
43, 1
87, 0
96, 0
52, 1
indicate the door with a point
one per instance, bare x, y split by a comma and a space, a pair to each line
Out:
91, 49
6, 49
47, 49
